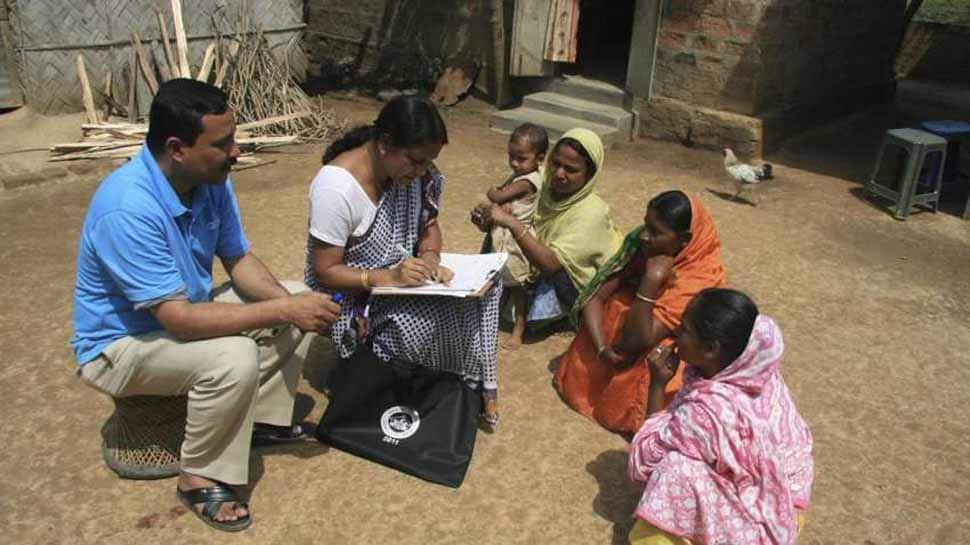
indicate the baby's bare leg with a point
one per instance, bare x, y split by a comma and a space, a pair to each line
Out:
517, 297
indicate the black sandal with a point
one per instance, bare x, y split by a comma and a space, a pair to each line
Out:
268, 434
212, 498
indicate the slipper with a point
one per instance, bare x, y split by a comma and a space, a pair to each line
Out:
268, 434
212, 498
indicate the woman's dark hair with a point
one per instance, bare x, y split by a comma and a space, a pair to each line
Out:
406, 121
673, 209
578, 148
177, 110
723, 315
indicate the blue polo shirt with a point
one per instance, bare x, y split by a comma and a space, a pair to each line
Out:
140, 244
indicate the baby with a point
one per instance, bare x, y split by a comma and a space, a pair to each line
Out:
520, 195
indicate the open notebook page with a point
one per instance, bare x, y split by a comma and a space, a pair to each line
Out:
472, 272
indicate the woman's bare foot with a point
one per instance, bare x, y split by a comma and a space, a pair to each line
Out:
513, 342
228, 512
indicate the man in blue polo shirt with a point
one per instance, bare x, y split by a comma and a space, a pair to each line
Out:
148, 322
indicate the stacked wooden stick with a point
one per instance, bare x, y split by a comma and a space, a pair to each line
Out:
270, 109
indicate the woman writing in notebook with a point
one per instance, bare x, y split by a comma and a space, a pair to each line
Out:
374, 223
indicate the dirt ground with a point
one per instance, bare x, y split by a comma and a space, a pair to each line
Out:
874, 313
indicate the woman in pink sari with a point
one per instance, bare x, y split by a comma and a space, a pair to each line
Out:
730, 460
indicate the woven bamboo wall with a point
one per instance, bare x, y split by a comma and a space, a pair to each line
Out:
50, 33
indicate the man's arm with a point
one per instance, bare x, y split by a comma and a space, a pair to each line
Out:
309, 311
252, 279
272, 306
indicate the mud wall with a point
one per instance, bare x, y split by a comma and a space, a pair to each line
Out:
392, 43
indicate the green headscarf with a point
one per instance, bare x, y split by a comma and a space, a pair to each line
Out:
614, 265
579, 229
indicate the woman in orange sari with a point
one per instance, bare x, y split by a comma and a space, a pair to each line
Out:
634, 303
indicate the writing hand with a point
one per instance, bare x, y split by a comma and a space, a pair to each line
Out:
412, 271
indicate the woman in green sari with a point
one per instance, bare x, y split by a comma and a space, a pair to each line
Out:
574, 231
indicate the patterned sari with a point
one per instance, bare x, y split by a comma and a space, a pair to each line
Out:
445, 333
730, 461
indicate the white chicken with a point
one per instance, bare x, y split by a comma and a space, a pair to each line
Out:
743, 174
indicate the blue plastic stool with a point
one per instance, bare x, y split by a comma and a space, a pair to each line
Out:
909, 170
953, 132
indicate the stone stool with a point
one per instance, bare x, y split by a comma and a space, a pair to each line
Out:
142, 439
905, 153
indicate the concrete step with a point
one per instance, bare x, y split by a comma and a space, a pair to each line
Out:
599, 92
505, 121
555, 103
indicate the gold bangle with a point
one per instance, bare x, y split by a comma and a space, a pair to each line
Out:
364, 279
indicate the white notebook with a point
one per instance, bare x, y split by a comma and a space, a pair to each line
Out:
473, 272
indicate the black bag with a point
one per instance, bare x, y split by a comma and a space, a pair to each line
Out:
410, 418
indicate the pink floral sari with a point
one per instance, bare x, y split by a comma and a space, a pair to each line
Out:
730, 460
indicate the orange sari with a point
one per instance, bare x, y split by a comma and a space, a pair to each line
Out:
617, 398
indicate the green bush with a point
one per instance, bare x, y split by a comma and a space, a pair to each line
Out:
951, 12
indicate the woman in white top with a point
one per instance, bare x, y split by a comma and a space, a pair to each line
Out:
374, 222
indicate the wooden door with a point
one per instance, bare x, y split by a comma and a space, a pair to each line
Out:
529, 39
643, 47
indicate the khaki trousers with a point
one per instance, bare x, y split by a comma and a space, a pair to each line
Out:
231, 382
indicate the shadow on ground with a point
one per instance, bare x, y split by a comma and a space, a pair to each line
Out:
617, 496
847, 148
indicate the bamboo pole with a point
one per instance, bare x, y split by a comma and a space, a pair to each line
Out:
163, 70
113, 127
180, 42
109, 99
132, 87
207, 61
146, 68
272, 121
245, 165
87, 96
500, 91
233, 48
93, 146
167, 46
116, 153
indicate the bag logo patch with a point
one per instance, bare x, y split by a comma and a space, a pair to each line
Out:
399, 422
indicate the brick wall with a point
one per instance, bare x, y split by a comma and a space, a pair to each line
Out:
762, 69
706, 55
